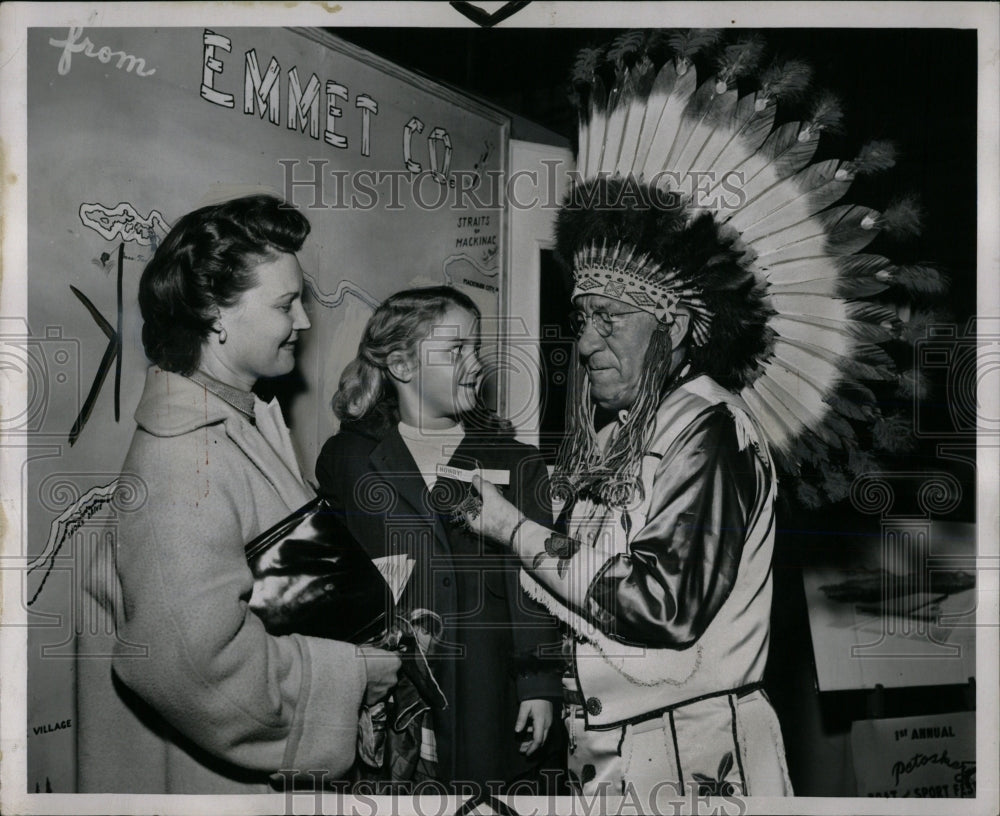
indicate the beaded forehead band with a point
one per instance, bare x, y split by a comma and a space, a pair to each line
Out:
617, 272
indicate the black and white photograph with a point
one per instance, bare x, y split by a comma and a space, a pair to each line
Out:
499, 408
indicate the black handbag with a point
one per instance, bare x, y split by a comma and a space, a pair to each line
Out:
312, 577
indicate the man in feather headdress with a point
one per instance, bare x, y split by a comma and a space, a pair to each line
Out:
717, 334
664, 580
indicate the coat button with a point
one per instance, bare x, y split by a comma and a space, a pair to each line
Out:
594, 706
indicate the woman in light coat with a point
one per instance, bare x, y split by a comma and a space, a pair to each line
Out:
201, 698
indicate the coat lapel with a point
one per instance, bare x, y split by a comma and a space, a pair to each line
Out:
172, 405
392, 459
287, 484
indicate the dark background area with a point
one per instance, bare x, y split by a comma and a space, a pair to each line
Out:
916, 87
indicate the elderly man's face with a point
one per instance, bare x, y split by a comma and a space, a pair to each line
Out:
614, 363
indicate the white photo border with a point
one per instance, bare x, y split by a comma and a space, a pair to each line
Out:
16, 18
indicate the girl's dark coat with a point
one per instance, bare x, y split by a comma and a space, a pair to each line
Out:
497, 647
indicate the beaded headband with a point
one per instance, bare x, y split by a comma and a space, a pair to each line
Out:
618, 273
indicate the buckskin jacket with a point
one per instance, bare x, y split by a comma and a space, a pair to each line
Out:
200, 698
669, 601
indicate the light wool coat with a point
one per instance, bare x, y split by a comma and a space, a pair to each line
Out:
215, 704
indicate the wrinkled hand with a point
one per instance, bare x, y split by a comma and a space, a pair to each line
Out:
382, 668
496, 517
536, 716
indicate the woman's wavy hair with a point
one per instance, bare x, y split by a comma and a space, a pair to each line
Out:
207, 260
365, 395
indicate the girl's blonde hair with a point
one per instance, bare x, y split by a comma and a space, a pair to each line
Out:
402, 320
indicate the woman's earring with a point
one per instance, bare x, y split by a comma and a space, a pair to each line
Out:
222, 336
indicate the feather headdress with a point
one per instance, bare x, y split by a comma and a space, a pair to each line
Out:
701, 185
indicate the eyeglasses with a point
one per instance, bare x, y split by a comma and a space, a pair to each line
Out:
604, 322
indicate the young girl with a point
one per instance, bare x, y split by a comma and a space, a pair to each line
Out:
413, 431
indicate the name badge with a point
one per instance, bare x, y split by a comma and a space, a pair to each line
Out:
497, 477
